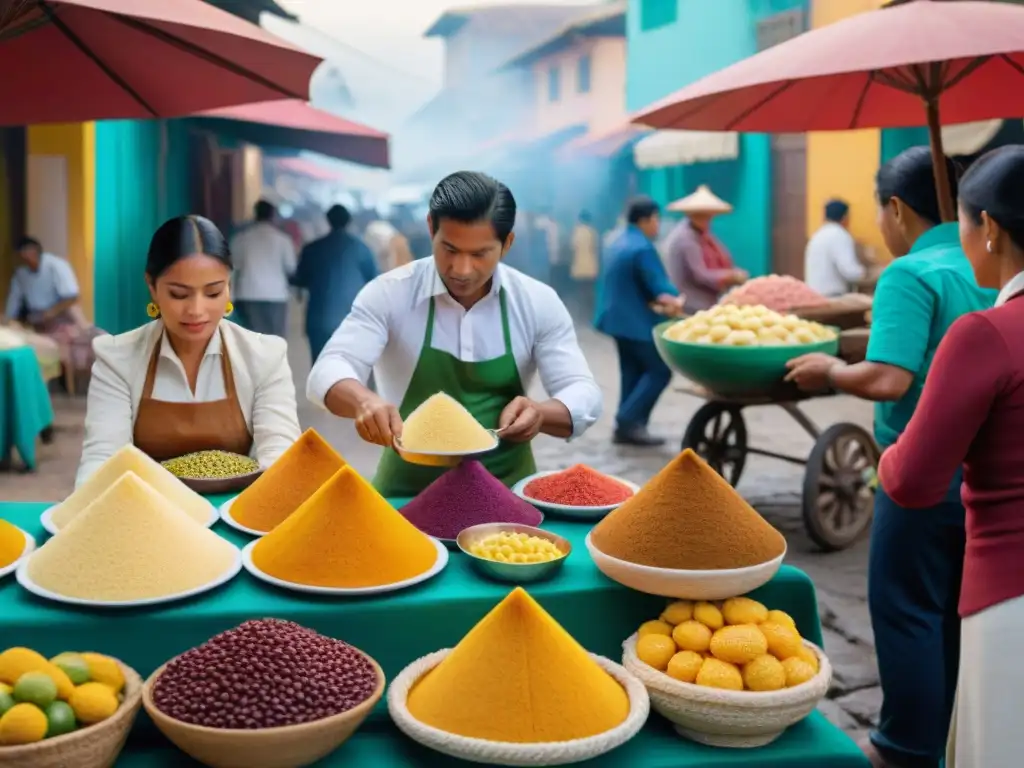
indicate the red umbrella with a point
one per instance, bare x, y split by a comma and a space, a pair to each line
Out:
878, 69
78, 60
297, 125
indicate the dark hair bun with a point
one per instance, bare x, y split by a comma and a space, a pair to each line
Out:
911, 177
185, 236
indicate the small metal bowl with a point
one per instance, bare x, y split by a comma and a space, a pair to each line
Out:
442, 458
516, 573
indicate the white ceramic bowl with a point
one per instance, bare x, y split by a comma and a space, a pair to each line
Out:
567, 510
685, 585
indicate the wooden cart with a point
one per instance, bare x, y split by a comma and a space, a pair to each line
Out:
838, 493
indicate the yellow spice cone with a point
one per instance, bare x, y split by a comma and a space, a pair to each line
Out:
442, 424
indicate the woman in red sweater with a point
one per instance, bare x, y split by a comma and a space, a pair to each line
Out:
971, 413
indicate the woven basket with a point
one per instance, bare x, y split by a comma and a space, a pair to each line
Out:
96, 746
510, 753
721, 718
289, 746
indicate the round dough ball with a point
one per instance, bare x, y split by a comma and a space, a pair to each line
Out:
741, 338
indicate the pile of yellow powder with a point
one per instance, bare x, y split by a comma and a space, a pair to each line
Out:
12, 543
130, 544
519, 677
442, 425
296, 475
131, 459
345, 536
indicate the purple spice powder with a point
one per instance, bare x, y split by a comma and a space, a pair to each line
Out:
465, 496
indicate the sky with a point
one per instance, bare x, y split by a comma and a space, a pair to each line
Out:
391, 30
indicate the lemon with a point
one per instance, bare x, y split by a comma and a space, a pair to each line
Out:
677, 612
36, 688
780, 617
738, 644
685, 665
797, 670
655, 650
93, 702
765, 673
72, 665
103, 669
60, 719
692, 636
5, 688
22, 724
809, 656
708, 615
743, 610
783, 641
655, 628
14, 662
715, 673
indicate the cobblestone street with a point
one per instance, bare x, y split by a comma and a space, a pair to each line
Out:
773, 486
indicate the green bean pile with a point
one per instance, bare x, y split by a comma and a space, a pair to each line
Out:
210, 465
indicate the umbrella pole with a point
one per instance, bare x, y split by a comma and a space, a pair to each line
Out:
939, 168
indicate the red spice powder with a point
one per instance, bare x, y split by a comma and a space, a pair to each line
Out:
578, 486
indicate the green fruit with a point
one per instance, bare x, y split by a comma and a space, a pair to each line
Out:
60, 719
35, 688
74, 666
6, 702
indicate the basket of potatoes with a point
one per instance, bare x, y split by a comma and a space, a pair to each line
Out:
735, 350
728, 674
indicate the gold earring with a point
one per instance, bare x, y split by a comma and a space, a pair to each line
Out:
229, 309
153, 310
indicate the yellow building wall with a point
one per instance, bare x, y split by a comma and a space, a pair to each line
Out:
76, 142
843, 163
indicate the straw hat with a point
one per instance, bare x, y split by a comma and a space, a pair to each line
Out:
701, 201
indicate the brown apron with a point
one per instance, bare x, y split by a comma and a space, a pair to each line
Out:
166, 430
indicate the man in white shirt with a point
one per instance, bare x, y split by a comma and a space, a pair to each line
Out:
464, 324
831, 264
264, 260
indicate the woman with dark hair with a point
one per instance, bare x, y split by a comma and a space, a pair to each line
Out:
971, 414
916, 557
465, 324
190, 380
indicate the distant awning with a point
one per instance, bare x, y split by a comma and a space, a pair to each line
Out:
299, 166
298, 125
604, 143
663, 149
969, 138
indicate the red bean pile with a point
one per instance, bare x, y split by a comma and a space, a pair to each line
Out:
264, 674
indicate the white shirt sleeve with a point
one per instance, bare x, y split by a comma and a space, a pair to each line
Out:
845, 256
562, 368
108, 418
275, 424
356, 346
65, 282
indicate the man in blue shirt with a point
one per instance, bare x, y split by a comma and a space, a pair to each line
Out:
333, 270
632, 281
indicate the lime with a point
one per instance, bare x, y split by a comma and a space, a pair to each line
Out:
35, 688
6, 701
60, 719
74, 666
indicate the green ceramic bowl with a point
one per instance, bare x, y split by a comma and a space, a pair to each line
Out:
734, 370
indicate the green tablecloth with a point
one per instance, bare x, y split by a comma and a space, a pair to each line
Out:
25, 408
398, 628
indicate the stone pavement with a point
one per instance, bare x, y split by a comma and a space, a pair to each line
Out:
773, 486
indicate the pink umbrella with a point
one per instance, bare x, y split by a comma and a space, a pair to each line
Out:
78, 60
874, 70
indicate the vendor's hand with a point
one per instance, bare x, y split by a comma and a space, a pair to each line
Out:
811, 372
739, 276
378, 422
671, 305
521, 421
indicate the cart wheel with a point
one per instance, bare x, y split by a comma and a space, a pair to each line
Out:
718, 434
838, 501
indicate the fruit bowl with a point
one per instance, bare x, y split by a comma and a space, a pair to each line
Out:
728, 370
289, 746
721, 718
95, 746
515, 753
685, 585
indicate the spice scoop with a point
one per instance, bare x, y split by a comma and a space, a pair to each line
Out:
442, 458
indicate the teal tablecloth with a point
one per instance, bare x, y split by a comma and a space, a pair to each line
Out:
25, 408
399, 628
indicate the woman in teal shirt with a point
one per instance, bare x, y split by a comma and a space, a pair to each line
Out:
916, 556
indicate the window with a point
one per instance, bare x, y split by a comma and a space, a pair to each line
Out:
583, 74
554, 84
657, 13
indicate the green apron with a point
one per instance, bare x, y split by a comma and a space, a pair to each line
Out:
484, 388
